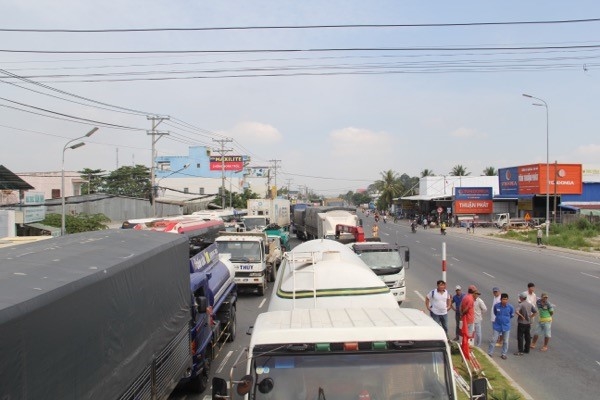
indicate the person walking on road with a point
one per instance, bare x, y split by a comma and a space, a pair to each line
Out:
525, 313
504, 312
455, 305
375, 230
545, 311
539, 236
437, 303
480, 308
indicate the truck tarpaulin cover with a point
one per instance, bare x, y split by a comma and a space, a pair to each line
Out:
82, 315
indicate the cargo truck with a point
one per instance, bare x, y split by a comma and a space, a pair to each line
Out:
117, 314
320, 222
262, 212
248, 252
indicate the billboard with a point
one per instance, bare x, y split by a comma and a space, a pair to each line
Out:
232, 163
532, 179
473, 200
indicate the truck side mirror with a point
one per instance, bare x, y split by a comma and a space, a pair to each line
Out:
219, 389
479, 389
243, 385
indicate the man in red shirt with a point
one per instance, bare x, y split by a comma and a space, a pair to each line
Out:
467, 311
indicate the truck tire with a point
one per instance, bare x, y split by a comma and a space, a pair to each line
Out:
262, 288
199, 383
228, 317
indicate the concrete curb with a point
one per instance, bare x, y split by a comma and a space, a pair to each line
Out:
514, 384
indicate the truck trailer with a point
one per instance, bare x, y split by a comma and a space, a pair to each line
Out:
106, 315
320, 222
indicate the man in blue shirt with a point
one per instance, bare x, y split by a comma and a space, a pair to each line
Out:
455, 305
504, 312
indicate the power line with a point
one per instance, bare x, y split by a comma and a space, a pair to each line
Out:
274, 27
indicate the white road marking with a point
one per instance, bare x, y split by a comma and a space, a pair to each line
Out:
491, 276
433, 248
225, 359
598, 362
593, 276
455, 259
577, 259
420, 295
262, 303
386, 234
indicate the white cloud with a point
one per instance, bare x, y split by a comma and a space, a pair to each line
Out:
464, 133
255, 132
356, 141
589, 150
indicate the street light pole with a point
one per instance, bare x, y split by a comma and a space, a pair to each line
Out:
62, 175
545, 105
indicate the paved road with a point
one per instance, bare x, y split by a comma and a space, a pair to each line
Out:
571, 368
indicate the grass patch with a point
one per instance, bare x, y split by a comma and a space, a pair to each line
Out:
502, 389
579, 235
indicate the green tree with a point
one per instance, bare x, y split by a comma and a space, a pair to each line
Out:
389, 187
459, 170
427, 172
490, 171
361, 198
238, 200
128, 181
78, 223
93, 180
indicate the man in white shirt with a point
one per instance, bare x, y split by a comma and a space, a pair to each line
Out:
437, 303
480, 308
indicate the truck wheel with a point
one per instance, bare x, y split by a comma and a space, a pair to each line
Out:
262, 288
200, 382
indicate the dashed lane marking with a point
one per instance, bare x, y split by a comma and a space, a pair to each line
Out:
262, 303
455, 259
225, 359
420, 295
491, 276
593, 276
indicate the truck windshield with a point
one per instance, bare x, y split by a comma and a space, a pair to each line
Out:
416, 375
240, 251
382, 262
255, 223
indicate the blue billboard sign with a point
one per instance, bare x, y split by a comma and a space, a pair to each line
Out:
509, 181
473, 193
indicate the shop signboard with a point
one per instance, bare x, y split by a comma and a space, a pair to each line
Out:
473, 200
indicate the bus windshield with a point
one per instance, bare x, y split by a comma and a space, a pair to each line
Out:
383, 376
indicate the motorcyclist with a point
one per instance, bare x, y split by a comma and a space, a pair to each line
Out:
384, 218
413, 226
443, 228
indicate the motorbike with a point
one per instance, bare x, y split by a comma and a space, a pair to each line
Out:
413, 228
443, 231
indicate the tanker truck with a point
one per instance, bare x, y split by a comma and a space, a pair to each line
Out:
116, 314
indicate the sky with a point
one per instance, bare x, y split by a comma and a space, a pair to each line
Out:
336, 105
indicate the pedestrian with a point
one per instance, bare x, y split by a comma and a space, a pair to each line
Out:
545, 312
467, 311
495, 300
473, 226
531, 296
525, 313
455, 305
504, 312
539, 236
375, 230
437, 303
480, 308
425, 222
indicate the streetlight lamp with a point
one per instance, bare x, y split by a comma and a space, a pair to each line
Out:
62, 176
545, 105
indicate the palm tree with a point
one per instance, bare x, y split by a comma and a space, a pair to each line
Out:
459, 170
388, 187
427, 172
490, 171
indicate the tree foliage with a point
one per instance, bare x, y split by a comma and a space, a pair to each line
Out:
389, 187
490, 171
427, 172
94, 180
78, 223
128, 181
238, 200
459, 170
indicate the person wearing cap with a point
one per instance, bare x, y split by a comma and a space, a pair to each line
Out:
437, 303
545, 312
504, 313
495, 300
455, 305
467, 310
480, 308
525, 312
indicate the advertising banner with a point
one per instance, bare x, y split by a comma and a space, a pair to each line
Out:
509, 180
232, 163
473, 206
563, 179
529, 179
473, 193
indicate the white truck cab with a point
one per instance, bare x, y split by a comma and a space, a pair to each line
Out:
388, 261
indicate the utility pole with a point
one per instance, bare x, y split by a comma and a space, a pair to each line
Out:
222, 151
289, 181
156, 135
275, 166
